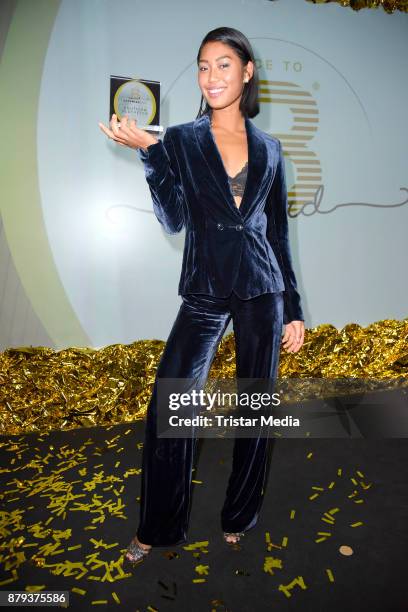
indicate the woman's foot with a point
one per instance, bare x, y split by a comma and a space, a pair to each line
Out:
233, 538
136, 550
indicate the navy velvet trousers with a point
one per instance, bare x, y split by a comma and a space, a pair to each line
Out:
167, 463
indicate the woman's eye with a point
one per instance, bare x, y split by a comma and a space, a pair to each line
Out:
201, 68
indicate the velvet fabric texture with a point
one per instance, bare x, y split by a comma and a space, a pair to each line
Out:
167, 463
245, 248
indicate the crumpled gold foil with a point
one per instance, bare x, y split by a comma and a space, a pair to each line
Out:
42, 389
389, 6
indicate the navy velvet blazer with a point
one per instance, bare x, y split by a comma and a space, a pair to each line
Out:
226, 247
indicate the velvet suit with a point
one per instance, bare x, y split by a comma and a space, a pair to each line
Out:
226, 247
236, 265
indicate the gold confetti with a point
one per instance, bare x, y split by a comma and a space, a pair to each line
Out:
286, 588
218, 603
171, 555
272, 563
195, 545
330, 575
95, 491
270, 544
346, 550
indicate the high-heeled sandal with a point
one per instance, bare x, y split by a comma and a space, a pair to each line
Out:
237, 535
135, 553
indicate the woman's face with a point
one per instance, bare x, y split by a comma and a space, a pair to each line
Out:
221, 74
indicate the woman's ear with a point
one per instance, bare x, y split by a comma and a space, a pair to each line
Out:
249, 71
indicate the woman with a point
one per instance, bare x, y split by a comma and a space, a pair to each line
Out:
205, 173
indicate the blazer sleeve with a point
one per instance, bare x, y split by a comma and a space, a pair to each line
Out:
163, 177
278, 236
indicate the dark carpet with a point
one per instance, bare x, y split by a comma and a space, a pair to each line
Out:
70, 507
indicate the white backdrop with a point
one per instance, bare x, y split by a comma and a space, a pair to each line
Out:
119, 268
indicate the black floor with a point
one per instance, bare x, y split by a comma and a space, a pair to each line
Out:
81, 479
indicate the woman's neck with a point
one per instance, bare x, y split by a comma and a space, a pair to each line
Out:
230, 122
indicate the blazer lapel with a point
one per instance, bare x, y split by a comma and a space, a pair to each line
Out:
257, 162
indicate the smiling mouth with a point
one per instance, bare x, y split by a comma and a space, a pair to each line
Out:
215, 92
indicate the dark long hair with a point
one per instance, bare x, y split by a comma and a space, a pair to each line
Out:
249, 104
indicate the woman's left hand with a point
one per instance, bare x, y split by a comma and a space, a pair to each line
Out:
294, 336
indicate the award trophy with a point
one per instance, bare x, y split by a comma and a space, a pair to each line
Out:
137, 99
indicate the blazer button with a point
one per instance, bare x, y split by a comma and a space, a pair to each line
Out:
238, 227
220, 226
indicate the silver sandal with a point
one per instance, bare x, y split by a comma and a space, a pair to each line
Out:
136, 552
238, 535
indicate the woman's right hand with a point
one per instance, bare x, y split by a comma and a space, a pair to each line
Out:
128, 134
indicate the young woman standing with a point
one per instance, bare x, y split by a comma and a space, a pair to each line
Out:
207, 172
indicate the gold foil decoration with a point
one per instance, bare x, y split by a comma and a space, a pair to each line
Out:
389, 6
43, 390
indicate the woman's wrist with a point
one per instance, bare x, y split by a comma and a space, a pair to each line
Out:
149, 141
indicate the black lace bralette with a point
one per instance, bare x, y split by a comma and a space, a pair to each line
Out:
238, 181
